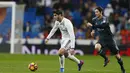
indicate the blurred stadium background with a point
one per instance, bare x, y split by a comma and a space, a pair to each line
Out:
34, 21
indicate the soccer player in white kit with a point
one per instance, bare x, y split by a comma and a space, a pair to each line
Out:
68, 39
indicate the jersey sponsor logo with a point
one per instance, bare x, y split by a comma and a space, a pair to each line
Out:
104, 21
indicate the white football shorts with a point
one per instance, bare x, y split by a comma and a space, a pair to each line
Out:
65, 43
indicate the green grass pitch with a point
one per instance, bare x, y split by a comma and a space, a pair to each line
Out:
50, 64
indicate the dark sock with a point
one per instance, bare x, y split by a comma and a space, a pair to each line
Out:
102, 54
60, 55
120, 63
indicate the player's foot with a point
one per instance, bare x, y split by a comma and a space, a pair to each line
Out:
80, 65
123, 70
61, 70
106, 61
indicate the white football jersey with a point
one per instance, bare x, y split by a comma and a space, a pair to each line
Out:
66, 29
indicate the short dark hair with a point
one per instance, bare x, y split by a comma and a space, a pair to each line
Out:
99, 8
58, 12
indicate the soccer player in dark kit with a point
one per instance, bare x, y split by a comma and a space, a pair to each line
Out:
101, 25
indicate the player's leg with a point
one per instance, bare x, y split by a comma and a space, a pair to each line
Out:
75, 59
71, 56
98, 47
69, 53
61, 59
115, 50
61, 54
120, 61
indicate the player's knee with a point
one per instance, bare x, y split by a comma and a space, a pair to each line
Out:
117, 56
69, 52
98, 46
61, 51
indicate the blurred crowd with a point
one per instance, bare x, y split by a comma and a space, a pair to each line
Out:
79, 12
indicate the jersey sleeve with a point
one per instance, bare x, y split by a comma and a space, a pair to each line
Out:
55, 27
70, 30
104, 24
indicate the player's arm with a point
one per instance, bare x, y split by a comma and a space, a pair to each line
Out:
70, 30
104, 24
55, 27
90, 25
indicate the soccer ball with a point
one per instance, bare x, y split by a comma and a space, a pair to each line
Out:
33, 66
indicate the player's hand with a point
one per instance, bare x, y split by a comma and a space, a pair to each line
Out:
89, 24
92, 33
46, 41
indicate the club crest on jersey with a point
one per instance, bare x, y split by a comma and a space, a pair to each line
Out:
103, 21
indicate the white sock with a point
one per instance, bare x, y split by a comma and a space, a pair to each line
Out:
62, 61
73, 58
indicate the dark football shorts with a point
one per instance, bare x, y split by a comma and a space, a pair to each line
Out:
110, 44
